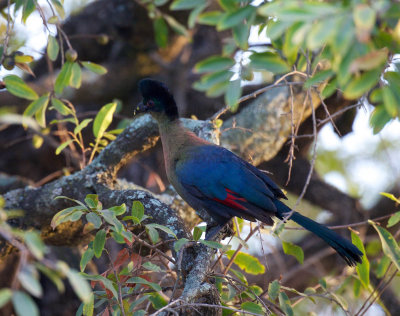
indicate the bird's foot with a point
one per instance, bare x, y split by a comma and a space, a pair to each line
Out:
225, 229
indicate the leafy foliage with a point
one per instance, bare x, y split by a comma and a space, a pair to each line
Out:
333, 46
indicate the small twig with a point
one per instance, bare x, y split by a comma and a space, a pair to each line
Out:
381, 291
52, 176
347, 108
228, 266
215, 306
144, 243
314, 156
179, 267
327, 112
374, 291
291, 156
252, 96
121, 303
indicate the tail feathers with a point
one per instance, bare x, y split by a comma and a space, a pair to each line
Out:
350, 253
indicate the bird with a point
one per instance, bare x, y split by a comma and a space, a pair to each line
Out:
212, 178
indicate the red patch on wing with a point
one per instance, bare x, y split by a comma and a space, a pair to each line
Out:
231, 199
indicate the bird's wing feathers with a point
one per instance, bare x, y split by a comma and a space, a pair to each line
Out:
214, 173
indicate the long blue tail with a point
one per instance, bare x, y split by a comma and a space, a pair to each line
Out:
350, 253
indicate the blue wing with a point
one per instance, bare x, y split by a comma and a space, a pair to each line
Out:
226, 185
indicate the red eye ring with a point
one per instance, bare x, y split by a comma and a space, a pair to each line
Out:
150, 103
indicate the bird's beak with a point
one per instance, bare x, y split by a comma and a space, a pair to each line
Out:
140, 108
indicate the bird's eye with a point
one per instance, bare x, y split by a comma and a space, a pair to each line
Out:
150, 103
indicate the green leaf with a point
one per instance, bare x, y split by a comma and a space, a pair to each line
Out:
52, 48
361, 84
379, 118
389, 101
66, 215
329, 88
5, 296
60, 148
180, 243
321, 32
208, 81
252, 307
364, 17
161, 32
394, 219
137, 210
53, 276
193, 16
369, 61
59, 8
389, 244
99, 242
231, 19
163, 228
106, 282
293, 250
318, 78
28, 8
82, 125
151, 266
103, 119
277, 28
284, 303
23, 59
211, 243
268, 61
233, 94
229, 5
344, 36
94, 219
38, 107
88, 307
35, 244
75, 216
118, 210
241, 35
98, 69
29, 279
60, 107
76, 76
214, 64
210, 17
363, 267
24, 304
92, 200
176, 26
274, 289
356, 287
197, 232
382, 266
138, 280
80, 285
322, 282
64, 77
16, 86
40, 114
247, 262
153, 234
186, 4
158, 301
86, 257
110, 218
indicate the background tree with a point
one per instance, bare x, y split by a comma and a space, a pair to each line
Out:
314, 64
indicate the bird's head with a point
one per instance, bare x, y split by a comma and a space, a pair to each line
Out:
157, 100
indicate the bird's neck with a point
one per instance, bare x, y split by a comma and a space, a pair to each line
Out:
175, 139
